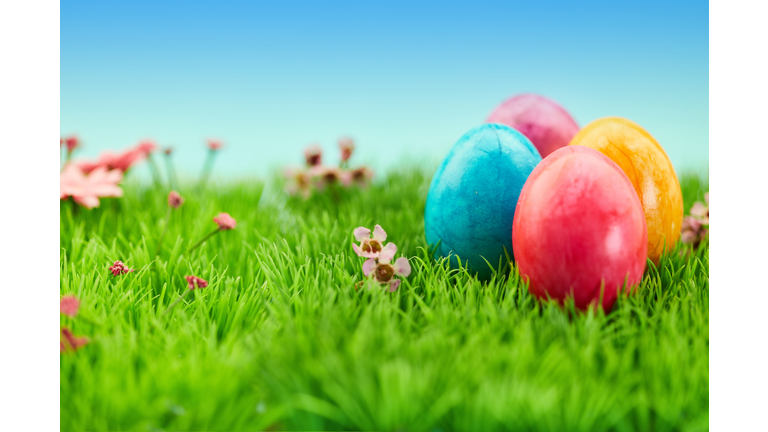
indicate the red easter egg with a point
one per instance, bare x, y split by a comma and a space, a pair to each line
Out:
579, 229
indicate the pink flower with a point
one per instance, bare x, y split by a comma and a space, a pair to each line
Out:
345, 177
694, 230
696, 226
196, 282
86, 166
347, 146
72, 143
215, 145
370, 247
119, 268
109, 160
298, 182
68, 305
225, 221
361, 175
701, 211
124, 161
384, 272
146, 146
325, 175
313, 155
86, 190
175, 200
70, 342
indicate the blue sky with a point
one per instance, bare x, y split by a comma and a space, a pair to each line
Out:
405, 79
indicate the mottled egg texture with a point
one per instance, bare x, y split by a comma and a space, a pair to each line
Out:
542, 120
650, 171
579, 229
472, 198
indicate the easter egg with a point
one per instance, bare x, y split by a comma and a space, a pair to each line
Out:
579, 229
650, 171
542, 120
473, 195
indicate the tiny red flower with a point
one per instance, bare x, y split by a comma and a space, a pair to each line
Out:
347, 146
70, 342
225, 221
119, 268
215, 145
196, 282
68, 305
72, 143
175, 200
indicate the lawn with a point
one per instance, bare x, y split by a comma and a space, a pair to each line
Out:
282, 340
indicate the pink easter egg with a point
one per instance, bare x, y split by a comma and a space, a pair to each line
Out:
579, 229
541, 120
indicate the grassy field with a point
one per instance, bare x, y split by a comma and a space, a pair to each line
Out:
281, 339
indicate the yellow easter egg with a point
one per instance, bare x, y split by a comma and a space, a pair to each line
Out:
649, 169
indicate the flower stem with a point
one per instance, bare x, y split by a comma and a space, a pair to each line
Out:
181, 297
165, 230
207, 168
171, 172
207, 236
153, 169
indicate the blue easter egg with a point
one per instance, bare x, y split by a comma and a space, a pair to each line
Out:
472, 199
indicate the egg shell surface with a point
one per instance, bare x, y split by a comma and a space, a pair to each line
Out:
649, 169
543, 121
472, 198
578, 227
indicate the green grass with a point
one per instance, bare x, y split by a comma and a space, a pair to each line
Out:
281, 339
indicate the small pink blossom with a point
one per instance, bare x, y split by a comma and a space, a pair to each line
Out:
347, 146
215, 145
370, 247
87, 189
327, 175
68, 305
69, 342
72, 143
298, 182
196, 282
225, 221
345, 177
118, 268
175, 200
382, 269
696, 226
700, 211
362, 175
313, 155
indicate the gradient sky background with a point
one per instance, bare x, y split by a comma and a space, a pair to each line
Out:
406, 80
